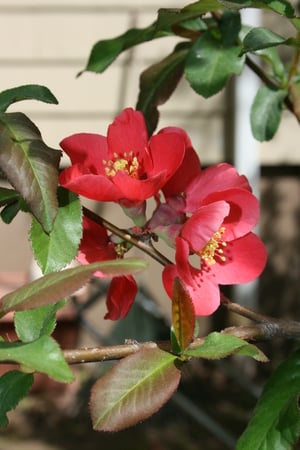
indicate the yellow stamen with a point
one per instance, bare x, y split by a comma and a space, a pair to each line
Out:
126, 162
213, 249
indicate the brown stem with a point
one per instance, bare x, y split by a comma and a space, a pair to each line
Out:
257, 332
295, 63
269, 326
243, 311
126, 236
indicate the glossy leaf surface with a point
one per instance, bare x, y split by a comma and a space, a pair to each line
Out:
57, 285
134, 389
104, 52
183, 315
56, 249
209, 64
266, 112
157, 84
276, 420
43, 355
220, 345
14, 386
34, 323
30, 165
26, 92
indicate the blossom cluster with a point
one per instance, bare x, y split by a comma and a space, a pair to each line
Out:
206, 215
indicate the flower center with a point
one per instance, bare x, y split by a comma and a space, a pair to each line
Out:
126, 162
213, 250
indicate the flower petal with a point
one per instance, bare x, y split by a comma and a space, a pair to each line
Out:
87, 149
128, 132
203, 224
95, 187
134, 190
120, 296
188, 169
203, 289
167, 153
205, 294
244, 211
95, 245
215, 178
245, 260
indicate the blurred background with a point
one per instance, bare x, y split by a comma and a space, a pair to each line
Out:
48, 42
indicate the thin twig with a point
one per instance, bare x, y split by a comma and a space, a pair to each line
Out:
128, 237
256, 332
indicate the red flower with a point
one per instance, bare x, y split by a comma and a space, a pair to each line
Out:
245, 260
219, 234
96, 246
211, 183
124, 167
188, 169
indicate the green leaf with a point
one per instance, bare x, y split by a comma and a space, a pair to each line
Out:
276, 420
260, 37
266, 112
26, 92
14, 386
34, 323
173, 16
57, 285
183, 315
8, 196
209, 64
30, 165
43, 355
282, 7
271, 56
230, 26
157, 84
134, 389
55, 250
220, 345
104, 52
10, 211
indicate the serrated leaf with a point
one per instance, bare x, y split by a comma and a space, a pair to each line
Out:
14, 386
209, 64
157, 83
56, 249
30, 165
260, 38
276, 420
183, 314
57, 285
266, 112
104, 52
43, 355
34, 323
220, 345
134, 389
26, 92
